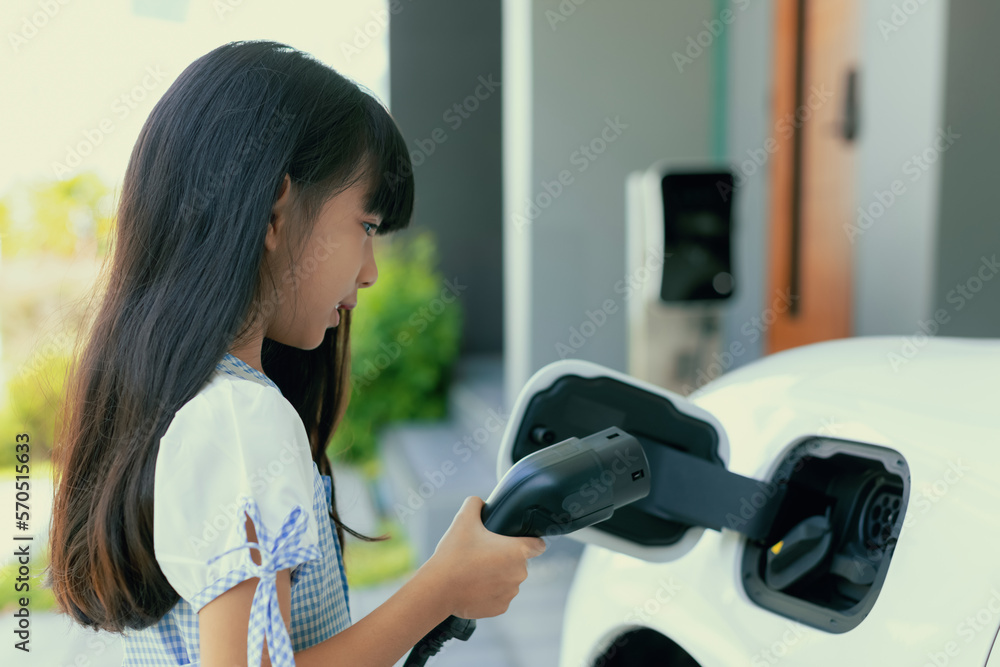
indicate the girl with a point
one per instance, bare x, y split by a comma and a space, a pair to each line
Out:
194, 511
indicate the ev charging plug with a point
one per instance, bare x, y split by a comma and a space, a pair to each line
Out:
559, 489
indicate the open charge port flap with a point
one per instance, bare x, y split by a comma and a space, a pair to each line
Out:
575, 406
689, 484
829, 547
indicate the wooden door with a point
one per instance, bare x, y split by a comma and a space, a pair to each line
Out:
810, 264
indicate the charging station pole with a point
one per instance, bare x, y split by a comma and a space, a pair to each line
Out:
678, 259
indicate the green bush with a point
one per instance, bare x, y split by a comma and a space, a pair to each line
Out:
35, 396
404, 342
368, 564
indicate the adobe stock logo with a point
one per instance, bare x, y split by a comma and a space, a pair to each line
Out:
581, 158
433, 480
704, 40
899, 17
914, 167
418, 322
121, 108
47, 10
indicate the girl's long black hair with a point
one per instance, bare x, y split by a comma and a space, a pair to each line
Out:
186, 280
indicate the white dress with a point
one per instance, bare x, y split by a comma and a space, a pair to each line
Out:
239, 447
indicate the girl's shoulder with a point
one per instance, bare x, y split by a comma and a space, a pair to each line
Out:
238, 417
236, 393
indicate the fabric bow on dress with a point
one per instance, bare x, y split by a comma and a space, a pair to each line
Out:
283, 552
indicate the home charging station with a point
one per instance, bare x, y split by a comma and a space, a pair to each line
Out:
679, 267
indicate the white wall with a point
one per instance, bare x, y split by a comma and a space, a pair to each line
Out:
901, 100
750, 125
967, 288
571, 67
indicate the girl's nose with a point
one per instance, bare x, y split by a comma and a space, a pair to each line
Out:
369, 271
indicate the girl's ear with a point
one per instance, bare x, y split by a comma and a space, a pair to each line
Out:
279, 216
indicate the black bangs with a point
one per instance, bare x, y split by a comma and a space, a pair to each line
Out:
389, 170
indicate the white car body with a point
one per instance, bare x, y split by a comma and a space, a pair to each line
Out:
936, 401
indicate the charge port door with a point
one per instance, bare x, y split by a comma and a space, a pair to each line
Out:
828, 550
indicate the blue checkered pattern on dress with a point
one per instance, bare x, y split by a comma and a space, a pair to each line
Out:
320, 605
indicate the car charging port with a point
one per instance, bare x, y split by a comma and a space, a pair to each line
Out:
828, 550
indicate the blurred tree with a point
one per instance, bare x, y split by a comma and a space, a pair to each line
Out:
52, 234
62, 217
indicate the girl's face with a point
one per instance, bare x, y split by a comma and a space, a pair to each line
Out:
336, 260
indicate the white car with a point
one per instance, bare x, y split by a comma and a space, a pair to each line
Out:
877, 537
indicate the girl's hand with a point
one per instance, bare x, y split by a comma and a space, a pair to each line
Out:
479, 572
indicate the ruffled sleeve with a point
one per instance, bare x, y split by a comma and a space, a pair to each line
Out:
236, 450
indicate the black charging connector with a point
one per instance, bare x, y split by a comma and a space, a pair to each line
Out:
452, 627
557, 490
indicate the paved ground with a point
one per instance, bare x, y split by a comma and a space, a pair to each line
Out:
526, 636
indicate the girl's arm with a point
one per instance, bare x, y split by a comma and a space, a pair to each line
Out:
473, 574
223, 622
